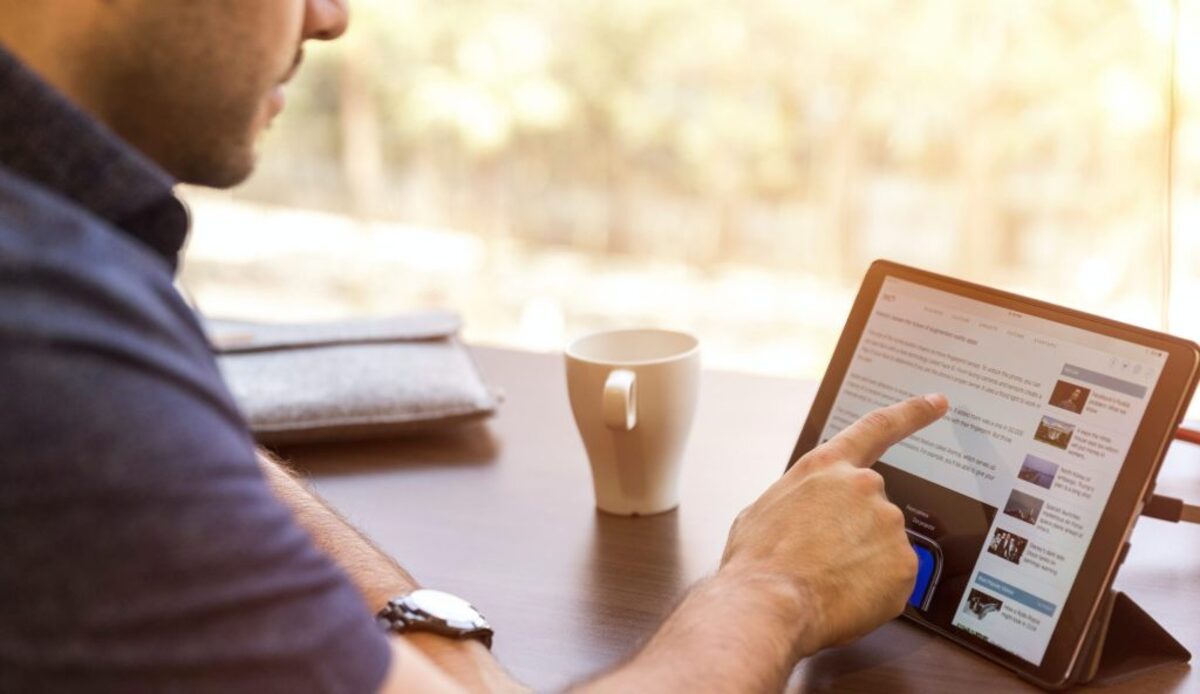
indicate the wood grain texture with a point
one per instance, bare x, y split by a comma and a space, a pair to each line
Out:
502, 514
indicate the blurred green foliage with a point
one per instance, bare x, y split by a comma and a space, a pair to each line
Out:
801, 134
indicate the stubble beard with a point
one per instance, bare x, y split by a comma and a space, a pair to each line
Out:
196, 113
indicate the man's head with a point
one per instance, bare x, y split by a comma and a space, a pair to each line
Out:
191, 83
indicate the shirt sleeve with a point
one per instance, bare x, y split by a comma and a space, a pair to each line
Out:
142, 548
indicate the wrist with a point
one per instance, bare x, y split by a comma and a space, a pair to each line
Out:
466, 661
779, 602
740, 630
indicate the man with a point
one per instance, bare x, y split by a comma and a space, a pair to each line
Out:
147, 547
1073, 402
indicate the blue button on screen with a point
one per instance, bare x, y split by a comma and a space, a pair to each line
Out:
925, 565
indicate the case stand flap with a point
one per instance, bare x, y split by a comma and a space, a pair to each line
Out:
1125, 641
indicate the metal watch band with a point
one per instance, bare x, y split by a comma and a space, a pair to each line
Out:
400, 616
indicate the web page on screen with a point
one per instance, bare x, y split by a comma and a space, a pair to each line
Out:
1005, 492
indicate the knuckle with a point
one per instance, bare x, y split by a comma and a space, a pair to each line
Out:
736, 527
892, 515
817, 481
806, 464
821, 457
867, 479
879, 421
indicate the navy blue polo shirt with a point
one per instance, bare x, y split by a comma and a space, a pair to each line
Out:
140, 547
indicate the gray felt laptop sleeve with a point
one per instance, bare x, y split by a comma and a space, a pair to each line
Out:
353, 379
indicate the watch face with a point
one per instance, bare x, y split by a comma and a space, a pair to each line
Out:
445, 606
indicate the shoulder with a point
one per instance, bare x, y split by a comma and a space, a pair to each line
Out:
70, 280
92, 329
36, 222
146, 547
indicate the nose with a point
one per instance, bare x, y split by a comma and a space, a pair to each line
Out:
325, 20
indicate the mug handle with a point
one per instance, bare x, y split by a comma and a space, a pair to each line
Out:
620, 400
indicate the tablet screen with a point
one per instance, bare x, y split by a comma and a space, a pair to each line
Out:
1001, 497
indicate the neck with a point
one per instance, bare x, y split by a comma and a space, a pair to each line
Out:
53, 39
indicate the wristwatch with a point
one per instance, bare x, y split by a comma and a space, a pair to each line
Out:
435, 612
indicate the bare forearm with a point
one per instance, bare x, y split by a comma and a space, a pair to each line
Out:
375, 575
734, 632
379, 579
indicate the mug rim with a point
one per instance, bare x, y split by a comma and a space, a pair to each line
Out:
571, 351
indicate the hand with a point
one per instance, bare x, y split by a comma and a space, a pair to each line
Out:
826, 533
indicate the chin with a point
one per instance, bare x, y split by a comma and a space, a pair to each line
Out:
217, 169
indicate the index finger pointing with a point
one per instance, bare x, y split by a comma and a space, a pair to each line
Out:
865, 441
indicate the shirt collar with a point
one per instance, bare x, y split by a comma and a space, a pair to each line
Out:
47, 139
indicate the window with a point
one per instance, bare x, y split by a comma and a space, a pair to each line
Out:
549, 168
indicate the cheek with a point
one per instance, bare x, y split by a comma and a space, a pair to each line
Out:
286, 20
265, 35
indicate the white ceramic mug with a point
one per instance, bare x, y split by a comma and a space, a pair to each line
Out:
633, 393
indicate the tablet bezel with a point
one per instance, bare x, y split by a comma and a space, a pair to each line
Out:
1134, 484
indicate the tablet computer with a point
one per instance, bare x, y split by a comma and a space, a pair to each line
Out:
1019, 502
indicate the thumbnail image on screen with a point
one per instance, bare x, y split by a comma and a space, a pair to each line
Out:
1069, 396
1008, 546
1023, 506
981, 604
1034, 470
1055, 432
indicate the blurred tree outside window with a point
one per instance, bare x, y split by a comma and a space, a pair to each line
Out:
549, 168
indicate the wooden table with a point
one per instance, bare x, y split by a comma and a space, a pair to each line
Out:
503, 514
